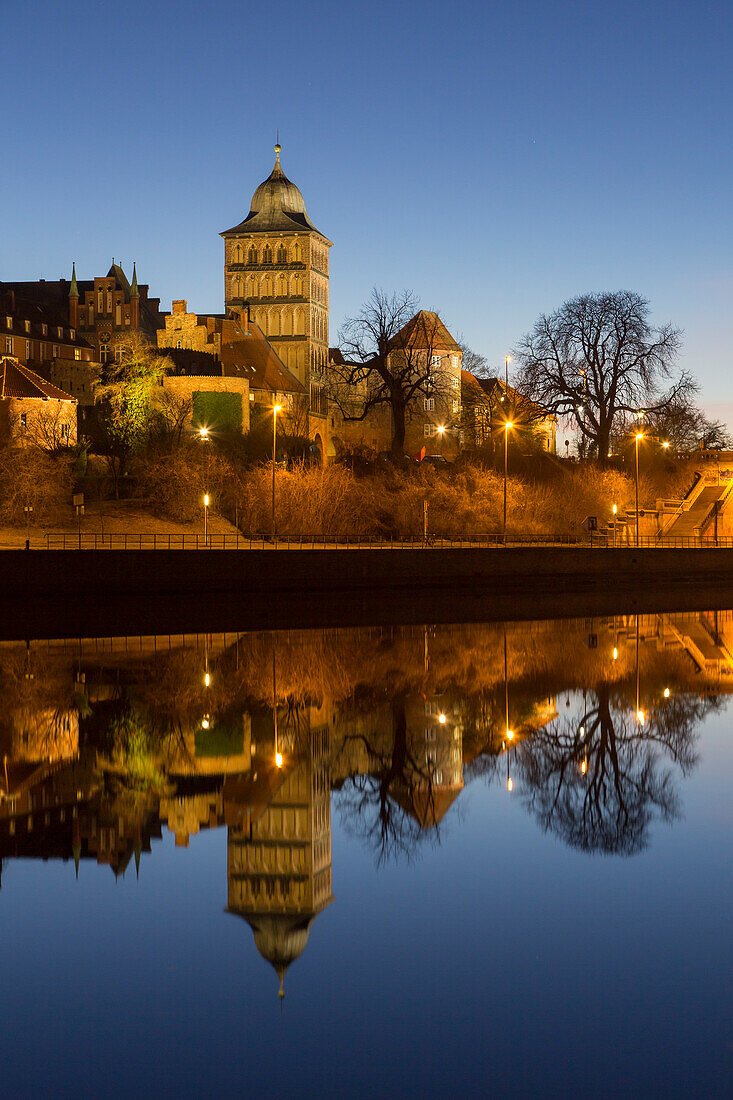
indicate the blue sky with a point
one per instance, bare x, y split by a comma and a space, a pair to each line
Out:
496, 158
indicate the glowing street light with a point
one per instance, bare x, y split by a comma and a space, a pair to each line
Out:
637, 440
206, 519
442, 719
278, 759
207, 680
441, 433
203, 433
507, 426
510, 735
510, 784
275, 410
614, 509
666, 693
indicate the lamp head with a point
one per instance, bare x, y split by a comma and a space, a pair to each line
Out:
277, 408
206, 500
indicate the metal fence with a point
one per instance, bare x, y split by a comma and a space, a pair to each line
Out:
155, 541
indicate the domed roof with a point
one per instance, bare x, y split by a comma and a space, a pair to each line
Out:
280, 939
277, 205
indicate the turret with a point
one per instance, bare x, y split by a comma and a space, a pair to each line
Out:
134, 300
73, 299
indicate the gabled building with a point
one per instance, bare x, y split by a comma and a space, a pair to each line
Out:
489, 403
32, 409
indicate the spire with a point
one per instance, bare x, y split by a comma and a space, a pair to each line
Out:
281, 991
278, 146
137, 861
76, 849
74, 289
134, 292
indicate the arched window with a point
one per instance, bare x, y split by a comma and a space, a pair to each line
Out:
283, 287
252, 287
267, 254
238, 254
282, 254
296, 286
296, 252
267, 292
252, 255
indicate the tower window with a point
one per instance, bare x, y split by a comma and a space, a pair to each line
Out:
282, 255
267, 254
252, 255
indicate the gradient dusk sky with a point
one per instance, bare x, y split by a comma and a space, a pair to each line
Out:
496, 158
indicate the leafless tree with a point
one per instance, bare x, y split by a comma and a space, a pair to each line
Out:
472, 361
598, 360
175, 411
391, 358
49, 428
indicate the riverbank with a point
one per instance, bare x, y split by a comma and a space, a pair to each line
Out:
69, 593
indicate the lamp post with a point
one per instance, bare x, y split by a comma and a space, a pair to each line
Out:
639, 437
441, 433
275, 410
615, 510
206, 519
507, 426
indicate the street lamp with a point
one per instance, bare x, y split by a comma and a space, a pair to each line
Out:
204, 433
206, 519
275, 410
615, 510
639, 437
441, 433
507, 426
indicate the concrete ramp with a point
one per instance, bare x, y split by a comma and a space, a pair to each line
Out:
699, 514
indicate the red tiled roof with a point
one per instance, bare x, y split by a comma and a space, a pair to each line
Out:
252, 357
17, 381
425, 330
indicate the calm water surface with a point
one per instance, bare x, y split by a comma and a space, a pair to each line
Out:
483, 860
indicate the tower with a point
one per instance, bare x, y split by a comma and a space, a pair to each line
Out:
276, 263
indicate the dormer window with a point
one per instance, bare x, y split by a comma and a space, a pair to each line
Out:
60, 332
27, 326
44, 330
72, 334
9, 322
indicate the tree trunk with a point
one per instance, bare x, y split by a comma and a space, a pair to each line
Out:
398, 431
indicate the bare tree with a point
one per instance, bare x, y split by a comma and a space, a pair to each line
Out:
473, 361
597, 360
686, 428
175, 411
391, 358
49, 427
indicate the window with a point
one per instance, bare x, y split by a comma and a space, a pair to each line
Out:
44, 330
435, 361
427, 430
179, 343
456, 383
27, 326
59, 332
429, 404
72, 333
77, 353
55, 351
109, 301
456, 404
9, 322
455, 362
27, 349
100, 302
65, 431
118, 314
253, 255
44, 351
104, 352
282, 255
267, 254
8, 345
91, 313
24, 420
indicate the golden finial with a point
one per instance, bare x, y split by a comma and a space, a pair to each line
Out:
278, 146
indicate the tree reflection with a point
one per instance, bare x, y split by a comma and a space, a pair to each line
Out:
598, 782
392, 801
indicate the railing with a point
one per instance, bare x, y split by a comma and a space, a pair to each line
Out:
596, 540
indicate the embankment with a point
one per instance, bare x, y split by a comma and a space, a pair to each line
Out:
71, 592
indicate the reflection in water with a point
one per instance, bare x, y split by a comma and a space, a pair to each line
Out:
106, 742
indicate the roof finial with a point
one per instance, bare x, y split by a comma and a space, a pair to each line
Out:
74, 289
278, 146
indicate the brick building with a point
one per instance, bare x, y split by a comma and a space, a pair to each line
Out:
33, 410
276, 264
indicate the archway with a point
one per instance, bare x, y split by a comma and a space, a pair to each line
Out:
318, 443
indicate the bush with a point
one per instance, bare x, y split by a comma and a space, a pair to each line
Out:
29, 477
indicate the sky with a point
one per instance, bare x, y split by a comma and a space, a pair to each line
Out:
495, 158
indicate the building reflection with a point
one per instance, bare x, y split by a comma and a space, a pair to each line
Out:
109, 744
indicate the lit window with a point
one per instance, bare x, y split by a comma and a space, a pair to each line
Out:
455, 382
27, 349
23, 420
77, 353
179, 343
429, 403
9, 322
9, 345
27, 326
435, 360
282, 256
55, 351
456, 405
72, 333
427, 430
44, 330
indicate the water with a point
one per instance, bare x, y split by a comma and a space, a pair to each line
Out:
447, 909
